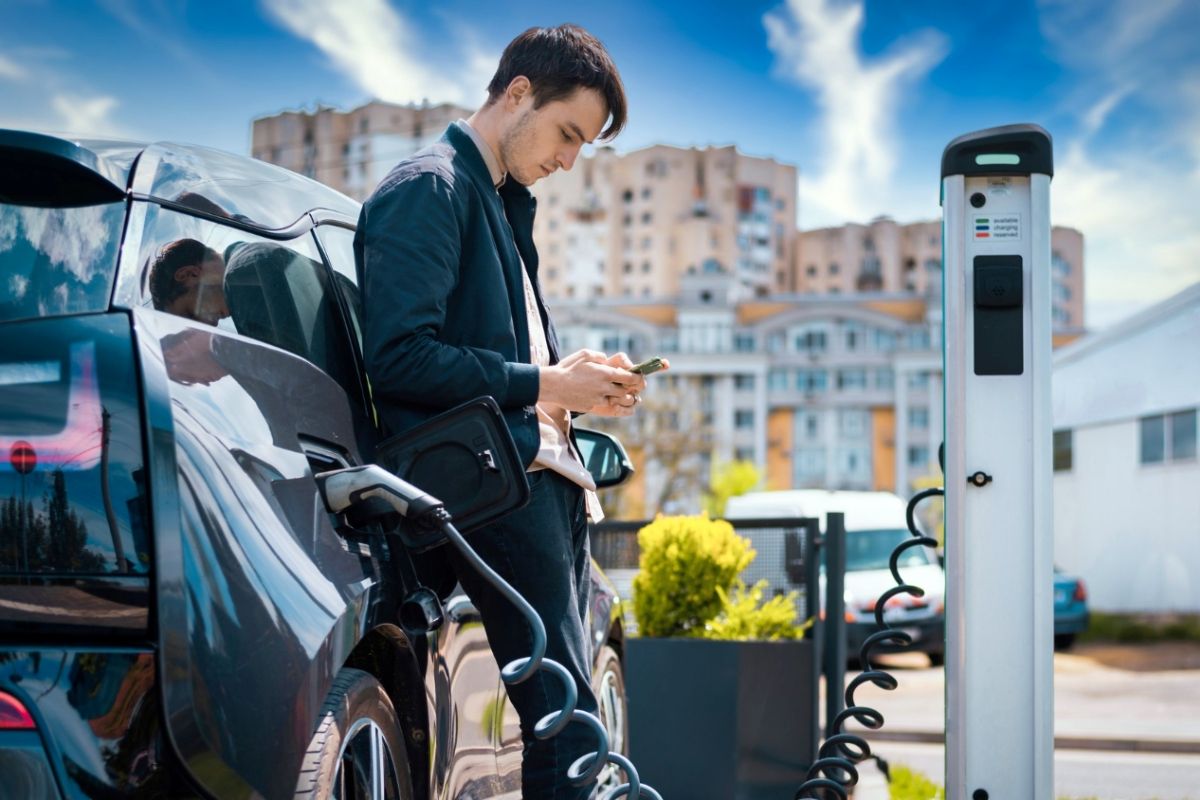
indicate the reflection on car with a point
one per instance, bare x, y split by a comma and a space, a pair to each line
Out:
180, 353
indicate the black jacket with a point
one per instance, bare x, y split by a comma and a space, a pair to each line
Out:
444, 316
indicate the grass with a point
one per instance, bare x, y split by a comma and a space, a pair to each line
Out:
1136, 629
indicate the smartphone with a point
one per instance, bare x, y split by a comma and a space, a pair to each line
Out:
647, 367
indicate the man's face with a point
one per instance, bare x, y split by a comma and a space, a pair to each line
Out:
542, 140
204, 300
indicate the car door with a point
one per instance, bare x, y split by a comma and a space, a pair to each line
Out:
463, 680
260, 599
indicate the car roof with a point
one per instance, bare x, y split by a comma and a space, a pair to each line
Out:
246, 190
863, 510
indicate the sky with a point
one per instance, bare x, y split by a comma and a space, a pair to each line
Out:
860, 95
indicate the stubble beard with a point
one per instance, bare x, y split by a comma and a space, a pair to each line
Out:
514, 144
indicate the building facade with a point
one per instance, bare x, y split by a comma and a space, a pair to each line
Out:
885, 256
632, 225
836, 392
1126, 505
350, 151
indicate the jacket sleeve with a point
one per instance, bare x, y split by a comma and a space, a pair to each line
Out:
412, 244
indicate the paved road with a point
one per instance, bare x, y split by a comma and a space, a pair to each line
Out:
1149, 695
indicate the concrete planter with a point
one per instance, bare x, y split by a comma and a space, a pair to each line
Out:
711, 720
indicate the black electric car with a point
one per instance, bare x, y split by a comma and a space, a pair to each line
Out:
179, 614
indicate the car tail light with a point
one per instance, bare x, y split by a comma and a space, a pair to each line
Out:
1080, 592
13, 714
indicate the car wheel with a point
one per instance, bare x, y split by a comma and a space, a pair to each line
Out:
357, 750
610, 695
1063, 641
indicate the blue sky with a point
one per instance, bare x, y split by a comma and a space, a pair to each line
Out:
861, 96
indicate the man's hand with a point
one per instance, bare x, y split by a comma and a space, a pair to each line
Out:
623, 404
587, 380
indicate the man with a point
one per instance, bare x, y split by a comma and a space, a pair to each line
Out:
452, 311
187, 278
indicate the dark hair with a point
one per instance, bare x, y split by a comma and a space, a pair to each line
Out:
181, 253
557, 62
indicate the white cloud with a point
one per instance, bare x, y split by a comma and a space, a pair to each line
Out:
817, 45
376, 47
1133, 201
10, 70
86, 115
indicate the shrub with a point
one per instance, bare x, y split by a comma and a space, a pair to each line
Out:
742, 619
683, 562
908, 784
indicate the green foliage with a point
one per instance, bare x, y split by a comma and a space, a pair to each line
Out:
684, 560
688, 585
729, 480
908, 784
1135, 629
742, 618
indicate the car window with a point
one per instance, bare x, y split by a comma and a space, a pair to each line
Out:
871, 549
339, 247
56, 261
272, 291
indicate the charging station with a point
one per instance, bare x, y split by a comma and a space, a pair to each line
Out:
998, 464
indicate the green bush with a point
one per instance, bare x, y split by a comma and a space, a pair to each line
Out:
689, 567
684, 560
1137, 629
743, 619
908, 784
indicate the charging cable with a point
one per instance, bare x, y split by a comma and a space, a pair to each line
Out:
373, 485
835, 771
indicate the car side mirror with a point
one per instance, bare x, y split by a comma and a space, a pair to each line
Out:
604, 457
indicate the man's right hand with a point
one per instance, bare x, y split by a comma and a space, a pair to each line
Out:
583, 380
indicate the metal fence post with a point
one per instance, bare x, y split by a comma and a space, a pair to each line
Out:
812, 610
835, 617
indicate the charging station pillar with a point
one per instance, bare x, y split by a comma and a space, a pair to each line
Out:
999, 459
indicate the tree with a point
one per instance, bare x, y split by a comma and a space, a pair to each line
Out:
728, 480
667, 437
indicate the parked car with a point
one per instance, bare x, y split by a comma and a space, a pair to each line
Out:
874, 526
1070, 609
180, 616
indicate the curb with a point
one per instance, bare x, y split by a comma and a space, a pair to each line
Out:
1168, 746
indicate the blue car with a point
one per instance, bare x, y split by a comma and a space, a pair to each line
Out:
1070, 609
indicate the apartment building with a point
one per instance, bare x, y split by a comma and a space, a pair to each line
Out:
350, 151
885, 256
632, 225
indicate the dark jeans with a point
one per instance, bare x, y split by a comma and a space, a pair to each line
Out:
542, 550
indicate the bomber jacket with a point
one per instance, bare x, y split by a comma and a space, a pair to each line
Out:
438, 249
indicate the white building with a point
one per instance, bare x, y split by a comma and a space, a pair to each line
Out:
1127, 480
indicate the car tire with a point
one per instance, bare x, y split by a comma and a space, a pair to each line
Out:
609, 688
357, 717
1063, 641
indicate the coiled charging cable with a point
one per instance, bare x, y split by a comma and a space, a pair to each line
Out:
835, 770
345, 488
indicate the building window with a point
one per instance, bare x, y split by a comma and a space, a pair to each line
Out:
743, 342
884, 378
1168, 437
918, 418
833, 268
853, 422
646, 242
811, 380
646, 218
743, 381
627, 195
777, 379
744, 454
854, 335
743, 418
811, 270
810, 341
628, 267
918, 457
1062, 450
852, 379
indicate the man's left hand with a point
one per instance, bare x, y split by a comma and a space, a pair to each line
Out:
624, 402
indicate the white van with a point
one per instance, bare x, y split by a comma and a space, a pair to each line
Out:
875, 524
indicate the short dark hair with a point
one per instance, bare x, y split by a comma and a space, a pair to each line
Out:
557, 62
180, 253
